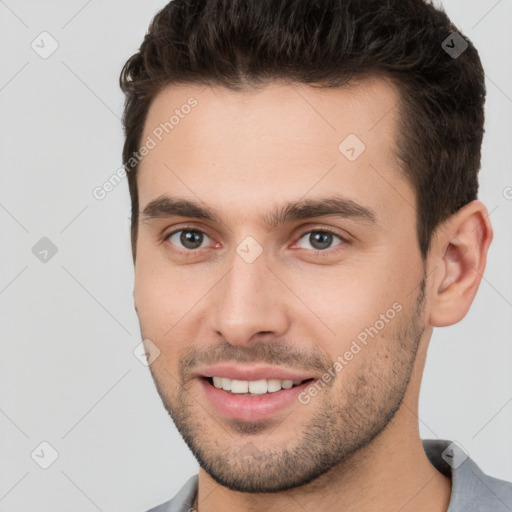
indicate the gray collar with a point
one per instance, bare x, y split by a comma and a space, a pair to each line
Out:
472, 490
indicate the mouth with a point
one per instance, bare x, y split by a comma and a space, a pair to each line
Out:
253, 387
263, 394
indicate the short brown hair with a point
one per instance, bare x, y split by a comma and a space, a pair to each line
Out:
246, 43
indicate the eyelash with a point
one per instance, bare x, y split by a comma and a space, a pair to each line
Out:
315, 252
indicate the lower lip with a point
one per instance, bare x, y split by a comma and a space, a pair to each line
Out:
250, 408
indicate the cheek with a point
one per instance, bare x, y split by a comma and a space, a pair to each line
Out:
151, 297
165, 298
348, 302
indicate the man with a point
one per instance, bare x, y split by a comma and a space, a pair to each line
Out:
303, 178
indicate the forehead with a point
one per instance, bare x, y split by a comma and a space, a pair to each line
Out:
239, 151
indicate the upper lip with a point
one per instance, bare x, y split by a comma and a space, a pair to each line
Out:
251, 373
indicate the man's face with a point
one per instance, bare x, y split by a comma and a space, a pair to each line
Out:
269, 294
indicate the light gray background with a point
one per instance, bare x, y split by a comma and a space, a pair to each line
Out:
68, 373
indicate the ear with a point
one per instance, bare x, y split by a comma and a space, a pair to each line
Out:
459, 258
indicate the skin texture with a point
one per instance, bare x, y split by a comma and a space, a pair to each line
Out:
355, 445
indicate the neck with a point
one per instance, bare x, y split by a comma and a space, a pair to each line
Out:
387, 474
390, 473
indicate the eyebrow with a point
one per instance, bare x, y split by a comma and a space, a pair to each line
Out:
335, 206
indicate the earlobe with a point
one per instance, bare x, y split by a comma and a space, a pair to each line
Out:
462, 252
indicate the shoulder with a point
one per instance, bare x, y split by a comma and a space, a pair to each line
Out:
183, 501
472, 489
482, 492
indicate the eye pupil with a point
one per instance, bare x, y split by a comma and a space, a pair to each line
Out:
191, 239
324, 239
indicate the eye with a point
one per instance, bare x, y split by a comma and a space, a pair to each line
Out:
320, 239
189, 238
192, 239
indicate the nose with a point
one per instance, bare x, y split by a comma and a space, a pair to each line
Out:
250, 303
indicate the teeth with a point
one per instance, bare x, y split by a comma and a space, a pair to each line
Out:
258, 387
225, 384
239, 386
254, 387
273, 385
287, 384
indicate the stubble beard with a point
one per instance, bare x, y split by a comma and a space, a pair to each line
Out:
346, 420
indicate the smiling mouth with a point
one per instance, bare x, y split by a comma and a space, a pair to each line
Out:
253, 387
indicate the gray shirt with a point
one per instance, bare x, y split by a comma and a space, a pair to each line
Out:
472, 490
